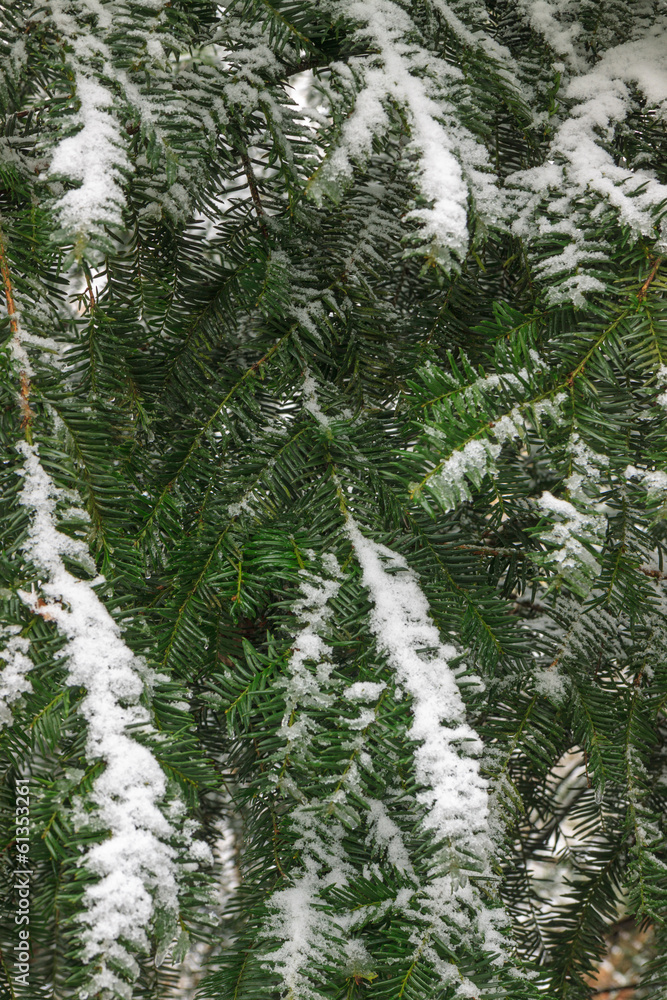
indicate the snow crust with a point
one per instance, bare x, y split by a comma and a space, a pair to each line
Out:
387, 834
364, 690
300, 922
661, 379
546, 18
464, 468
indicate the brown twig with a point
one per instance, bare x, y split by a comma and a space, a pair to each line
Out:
656, 574
254, 192
588, 777
9, 292
489, 550
91, 294
24, 395
641, 294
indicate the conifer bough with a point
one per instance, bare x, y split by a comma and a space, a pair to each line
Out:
334, 497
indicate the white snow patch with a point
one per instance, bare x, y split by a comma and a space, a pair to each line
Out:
654, 479
455, 795
468, 466
135, 863
555, 196
552, 684
310, 400
448, 157
588, 464
661, 377
13, 680
388, 835
302, 926
305, 687
571, 526
364, 690
95, 158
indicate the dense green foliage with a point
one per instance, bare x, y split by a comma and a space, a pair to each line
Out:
249, 334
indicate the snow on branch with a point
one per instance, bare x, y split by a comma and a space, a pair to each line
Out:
135, 863
305, 687
447, 904
305, 932
13, 681
301, 923
448, 158
308, 934
138, 819
454, 794
580, 165
552, 19
581, 173
467, 464
94, 156
572, 539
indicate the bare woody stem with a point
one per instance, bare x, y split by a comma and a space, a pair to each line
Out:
254, 192
24, 394
641, 295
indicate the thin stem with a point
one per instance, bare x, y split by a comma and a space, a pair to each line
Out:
641, 294
24, 394
254, 192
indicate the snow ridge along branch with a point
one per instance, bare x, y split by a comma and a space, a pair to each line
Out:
137, 816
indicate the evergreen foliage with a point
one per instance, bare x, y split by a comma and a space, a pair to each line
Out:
334, 495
